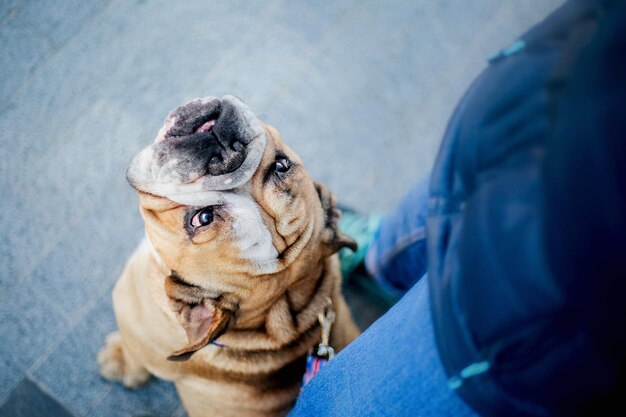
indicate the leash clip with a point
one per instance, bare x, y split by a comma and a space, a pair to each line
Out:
317, 358
326, 318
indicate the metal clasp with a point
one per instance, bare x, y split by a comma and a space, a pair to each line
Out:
326, 318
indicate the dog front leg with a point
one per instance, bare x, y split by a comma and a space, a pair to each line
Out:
117, 365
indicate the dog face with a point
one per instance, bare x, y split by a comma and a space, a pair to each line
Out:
229, 209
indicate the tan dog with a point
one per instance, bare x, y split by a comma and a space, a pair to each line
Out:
239, 246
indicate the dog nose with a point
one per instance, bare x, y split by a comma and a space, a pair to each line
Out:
231, 139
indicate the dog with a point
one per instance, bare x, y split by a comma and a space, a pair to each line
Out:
222, 296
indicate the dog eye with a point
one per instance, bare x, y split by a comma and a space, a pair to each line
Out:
203, 217
282, 165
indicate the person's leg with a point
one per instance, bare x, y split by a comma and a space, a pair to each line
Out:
396, 257
392, 369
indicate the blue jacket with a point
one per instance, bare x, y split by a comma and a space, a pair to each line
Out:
527, 223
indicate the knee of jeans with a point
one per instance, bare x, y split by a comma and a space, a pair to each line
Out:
401, 269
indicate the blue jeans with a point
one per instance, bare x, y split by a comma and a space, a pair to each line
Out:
397, 256
393, 368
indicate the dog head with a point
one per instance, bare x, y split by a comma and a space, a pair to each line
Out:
229, 209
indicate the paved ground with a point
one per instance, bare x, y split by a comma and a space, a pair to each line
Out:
361, 89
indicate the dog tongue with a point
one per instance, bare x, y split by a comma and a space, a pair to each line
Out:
205, 127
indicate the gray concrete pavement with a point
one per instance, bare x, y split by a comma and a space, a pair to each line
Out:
361, 90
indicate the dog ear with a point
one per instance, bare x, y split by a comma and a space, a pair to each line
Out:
203, 320
332, 236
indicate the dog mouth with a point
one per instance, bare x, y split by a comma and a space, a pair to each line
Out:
207, 144
196, 116
212, 132
206, 127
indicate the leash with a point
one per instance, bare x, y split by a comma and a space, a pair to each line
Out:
316, 358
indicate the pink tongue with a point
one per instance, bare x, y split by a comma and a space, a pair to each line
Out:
205, 127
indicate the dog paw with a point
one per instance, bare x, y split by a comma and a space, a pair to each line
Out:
116, 366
